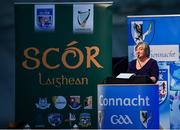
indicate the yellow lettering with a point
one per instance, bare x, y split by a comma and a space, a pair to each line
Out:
93, 56
26, 54
44, 58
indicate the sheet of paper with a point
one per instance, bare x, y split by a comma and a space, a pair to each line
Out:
125, 75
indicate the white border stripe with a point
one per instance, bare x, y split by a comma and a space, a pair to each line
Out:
109, 2
143, 16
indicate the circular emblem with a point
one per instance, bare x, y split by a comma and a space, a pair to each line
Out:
59, 102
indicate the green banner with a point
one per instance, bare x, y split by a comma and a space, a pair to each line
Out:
63, 50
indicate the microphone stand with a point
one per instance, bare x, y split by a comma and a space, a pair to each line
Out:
139, 61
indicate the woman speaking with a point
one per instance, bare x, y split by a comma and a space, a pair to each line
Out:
143, 64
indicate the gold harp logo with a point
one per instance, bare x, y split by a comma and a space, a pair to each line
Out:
83, 17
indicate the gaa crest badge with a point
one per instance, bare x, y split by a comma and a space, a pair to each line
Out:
163, 90
59, 102
55, 119
74, 102
145, 118
85, 120
83, 18
44, 17
42, 104
142, 31
88, 102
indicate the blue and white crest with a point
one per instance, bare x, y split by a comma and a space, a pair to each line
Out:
59, 102
72, 117
43, 103
163, 83
74, 102
142, 31
55, 119
85, 120
145, 118
163, 90
44, 17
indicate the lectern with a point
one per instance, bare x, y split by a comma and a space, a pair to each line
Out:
136, 79
123, 104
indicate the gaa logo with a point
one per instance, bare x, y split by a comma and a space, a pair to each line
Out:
120, 119
83, 18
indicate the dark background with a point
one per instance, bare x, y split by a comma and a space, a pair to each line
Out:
121, 9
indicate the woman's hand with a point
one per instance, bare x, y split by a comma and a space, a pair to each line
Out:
153, 79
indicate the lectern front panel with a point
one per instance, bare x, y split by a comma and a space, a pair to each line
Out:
128, 106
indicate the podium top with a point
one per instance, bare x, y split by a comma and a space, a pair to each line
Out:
119, 85
138, 79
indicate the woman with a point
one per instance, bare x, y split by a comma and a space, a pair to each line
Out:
144, 65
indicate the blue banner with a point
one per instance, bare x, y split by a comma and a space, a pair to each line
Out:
128, 107
161, 32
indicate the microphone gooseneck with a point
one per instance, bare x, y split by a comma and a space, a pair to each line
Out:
138, 61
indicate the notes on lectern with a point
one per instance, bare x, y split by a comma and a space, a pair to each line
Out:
125, 75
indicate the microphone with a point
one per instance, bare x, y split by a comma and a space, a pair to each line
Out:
138, 56
138, 61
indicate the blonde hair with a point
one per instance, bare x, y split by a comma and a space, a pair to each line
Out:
145, 46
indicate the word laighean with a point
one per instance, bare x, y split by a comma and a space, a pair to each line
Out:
91, 55
62, 80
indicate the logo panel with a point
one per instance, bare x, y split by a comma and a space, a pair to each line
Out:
42, 104
145, 118
88, 102
59, 102
85, 120
121, 119
142, 31
55, 119
162, 90
44, 18
74, 102
83, 18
